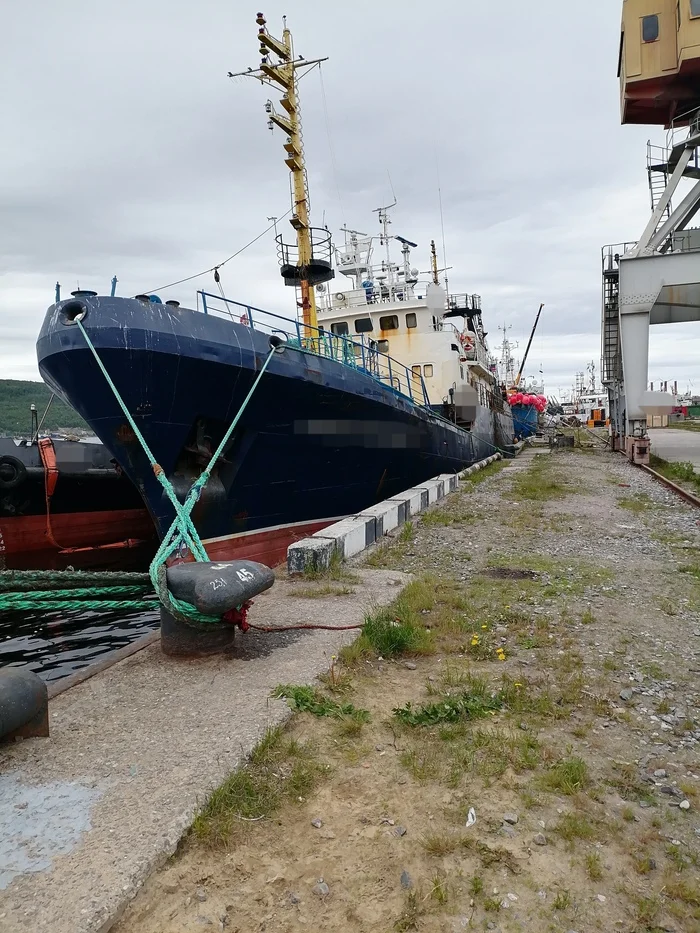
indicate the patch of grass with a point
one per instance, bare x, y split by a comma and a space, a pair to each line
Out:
441, 844
318, 592
277, 770
594, 866
336, 570
307, 699
562, 901
391, 553
439, 892
653, 670
686, 891
476, 885
491, 470
638, 503
491, 904
450, 709
422, 766
398, 628
572, 826
626, 781
643, 864
567, 776
647, 910
541, 482
411, 914
682, 472
628, 814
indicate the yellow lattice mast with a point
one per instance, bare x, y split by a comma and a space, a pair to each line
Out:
307, 262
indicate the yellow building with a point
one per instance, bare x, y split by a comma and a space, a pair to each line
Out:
659, 64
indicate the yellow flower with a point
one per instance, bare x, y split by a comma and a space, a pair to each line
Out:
483, 626
517, 685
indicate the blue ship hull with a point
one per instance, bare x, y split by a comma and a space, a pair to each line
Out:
319, 439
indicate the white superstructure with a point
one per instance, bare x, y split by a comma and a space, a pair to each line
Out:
438, 338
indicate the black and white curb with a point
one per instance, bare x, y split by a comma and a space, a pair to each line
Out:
354, 534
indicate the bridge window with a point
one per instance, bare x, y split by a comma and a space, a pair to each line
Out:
650, 28
340, 328
695, 7
416, 372
363, 325
411, 320
428, 370
389, 322
383, 346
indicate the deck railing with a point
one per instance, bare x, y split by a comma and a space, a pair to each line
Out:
361, 354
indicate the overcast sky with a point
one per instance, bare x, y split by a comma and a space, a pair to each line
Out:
126, 150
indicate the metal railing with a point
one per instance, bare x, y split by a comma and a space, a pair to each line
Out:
361, 354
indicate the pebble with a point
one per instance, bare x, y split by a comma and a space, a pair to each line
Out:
171, 887
540, 839
321, 889
626, 694
684, 805
411, 666
601, 898
659, 773
204, 921
201, 895
400, 831
317, 823
406, 882
511, 818
294, 898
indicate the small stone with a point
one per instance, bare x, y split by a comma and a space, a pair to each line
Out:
293, 898
171, 887
511, 818
204, 921
600, 897
400, 831
512, 897
201, 895
321, 889
411, 666
406, 882
660, 773
684, 805
644, 804
317, 823
540, 839
626, 694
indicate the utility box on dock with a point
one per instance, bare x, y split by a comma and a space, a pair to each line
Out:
638, 450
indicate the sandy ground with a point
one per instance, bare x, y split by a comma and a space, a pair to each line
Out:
88, 813
603, 642
675, 444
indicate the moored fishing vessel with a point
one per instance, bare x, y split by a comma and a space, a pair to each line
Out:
336, 423
64, 500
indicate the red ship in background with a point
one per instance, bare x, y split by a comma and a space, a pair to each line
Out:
64, 501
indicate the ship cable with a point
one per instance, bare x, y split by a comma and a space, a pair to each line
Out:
238, 252
182, 533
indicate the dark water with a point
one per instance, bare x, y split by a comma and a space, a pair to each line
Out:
55, 644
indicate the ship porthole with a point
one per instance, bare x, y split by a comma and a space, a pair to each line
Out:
73, 311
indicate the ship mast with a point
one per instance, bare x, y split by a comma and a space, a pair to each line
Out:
307, 262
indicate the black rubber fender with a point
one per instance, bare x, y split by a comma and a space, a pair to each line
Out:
12, 472
24, 704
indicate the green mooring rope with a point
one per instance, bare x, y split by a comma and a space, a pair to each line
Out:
182, 530
75, 590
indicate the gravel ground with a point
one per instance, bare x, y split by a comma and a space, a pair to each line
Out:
609, 627
88, 813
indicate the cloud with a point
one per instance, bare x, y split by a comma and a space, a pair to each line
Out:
132, 154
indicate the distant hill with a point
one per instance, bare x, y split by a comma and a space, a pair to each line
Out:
17, 395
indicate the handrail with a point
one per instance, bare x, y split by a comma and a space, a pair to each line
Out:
360, 355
